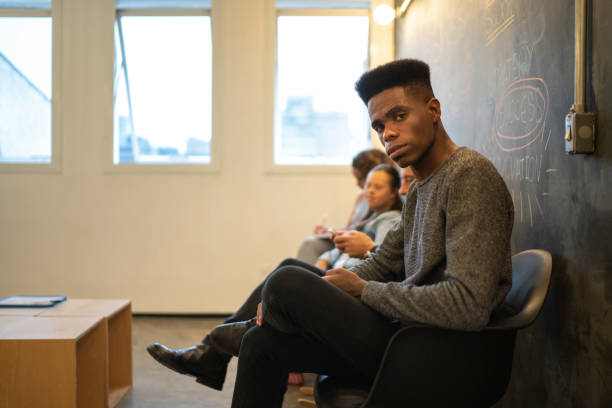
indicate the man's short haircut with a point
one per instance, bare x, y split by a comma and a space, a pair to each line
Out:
405, 73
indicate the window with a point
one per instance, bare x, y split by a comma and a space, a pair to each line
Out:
25, 85
319, 118
163, 87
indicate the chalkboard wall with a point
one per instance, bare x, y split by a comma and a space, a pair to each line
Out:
503, 71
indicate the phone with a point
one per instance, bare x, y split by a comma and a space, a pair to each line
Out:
332, 232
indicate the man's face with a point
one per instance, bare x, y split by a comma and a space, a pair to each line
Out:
405, 124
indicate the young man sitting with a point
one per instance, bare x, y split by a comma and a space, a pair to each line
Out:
446, 264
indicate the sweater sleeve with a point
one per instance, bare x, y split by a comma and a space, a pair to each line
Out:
478, 224
382, 224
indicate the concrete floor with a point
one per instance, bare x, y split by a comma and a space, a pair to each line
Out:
156, 386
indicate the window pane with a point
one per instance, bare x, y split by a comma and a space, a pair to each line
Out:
161, 4
323, 4
25, 89
319, 116
26, 4
163, 90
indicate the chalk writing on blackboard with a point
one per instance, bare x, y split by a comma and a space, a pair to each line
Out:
520, 133
525, 168
515, 65
548, 139
502, 27
521, 204
520, 114
524, 172
533, 207
498, 17
539, 206
530, 211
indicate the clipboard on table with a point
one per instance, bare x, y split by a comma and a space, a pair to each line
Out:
31, 301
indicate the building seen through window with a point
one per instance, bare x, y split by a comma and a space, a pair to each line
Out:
25, 89
319, 118
163, 90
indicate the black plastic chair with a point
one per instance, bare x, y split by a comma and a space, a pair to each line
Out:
432, 367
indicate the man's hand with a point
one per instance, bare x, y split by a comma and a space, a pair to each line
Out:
354, 243
346, 280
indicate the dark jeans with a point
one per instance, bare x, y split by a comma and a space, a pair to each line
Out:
249, 307
309, 326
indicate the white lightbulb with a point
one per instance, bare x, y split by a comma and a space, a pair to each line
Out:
383, 14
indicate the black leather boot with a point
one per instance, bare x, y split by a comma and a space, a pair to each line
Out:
228, 337
203, 361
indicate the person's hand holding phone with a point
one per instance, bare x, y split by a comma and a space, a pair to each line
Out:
354, 243
332, 232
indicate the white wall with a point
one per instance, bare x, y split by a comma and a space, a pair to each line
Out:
172, 243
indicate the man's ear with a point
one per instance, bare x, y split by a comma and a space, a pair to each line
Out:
433, 107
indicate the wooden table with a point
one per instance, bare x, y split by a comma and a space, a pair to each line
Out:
115, 318
53, 362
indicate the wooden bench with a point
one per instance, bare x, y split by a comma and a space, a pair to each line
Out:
39, 331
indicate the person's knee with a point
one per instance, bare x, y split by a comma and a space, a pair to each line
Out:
288, 262
287, 283
287, 295
285, 262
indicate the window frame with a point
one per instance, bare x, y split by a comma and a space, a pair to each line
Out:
55, 165
271, 167
214, 165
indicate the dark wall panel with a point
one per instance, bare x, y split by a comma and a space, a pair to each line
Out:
503, 71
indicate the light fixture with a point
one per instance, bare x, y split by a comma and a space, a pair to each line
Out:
383, 14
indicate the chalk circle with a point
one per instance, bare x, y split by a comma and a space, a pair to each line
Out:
523, 89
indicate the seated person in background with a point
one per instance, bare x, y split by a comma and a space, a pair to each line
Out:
407, 179
356, 244
381, 193
315, 245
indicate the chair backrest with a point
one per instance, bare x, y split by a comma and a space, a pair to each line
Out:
531, 271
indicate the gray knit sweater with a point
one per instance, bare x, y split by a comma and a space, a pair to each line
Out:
447, 263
